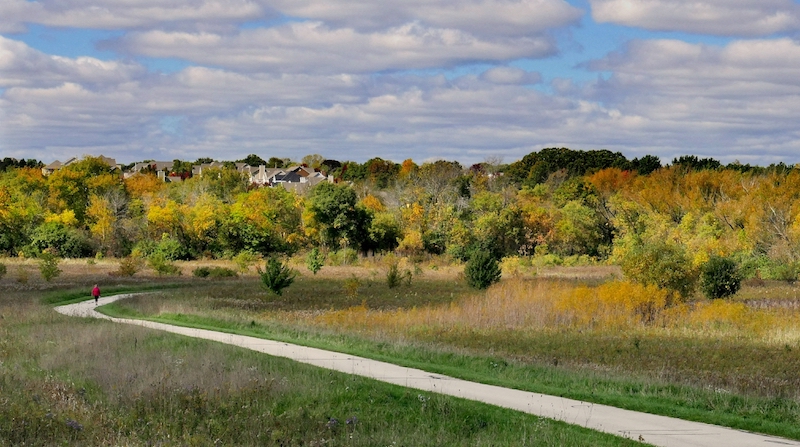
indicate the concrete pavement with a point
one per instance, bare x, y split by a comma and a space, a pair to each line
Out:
652, 429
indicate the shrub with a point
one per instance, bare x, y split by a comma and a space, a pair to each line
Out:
787, 271
162, 265
22, 275
3, 270
214, 272
128, 266
393, 276
201, 272
346, 256
276, 275
482, 270
173, 250
720, 278
244, 259
661, 264
48, 265
315, 260
69, 242
351, 286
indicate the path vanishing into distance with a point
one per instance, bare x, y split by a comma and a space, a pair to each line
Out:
649, 428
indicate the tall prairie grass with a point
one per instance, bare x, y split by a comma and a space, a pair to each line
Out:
616, 306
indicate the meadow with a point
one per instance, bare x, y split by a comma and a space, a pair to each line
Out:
73, 381
577, 332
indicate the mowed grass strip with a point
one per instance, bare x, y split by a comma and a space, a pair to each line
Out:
91, 382
726, 378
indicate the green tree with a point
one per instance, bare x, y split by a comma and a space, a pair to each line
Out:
276, 275
71, 186
384, 232
662, 264
48, 265
482, 270
315, 260
720, 278
340, 220
265, 220
252, 160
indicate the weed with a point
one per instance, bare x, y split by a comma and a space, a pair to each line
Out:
351, 286
22, 274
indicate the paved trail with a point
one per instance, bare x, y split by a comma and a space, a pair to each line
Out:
652, 429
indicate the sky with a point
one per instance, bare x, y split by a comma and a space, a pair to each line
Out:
466, 80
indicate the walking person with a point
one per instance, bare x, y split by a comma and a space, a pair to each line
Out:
96, 294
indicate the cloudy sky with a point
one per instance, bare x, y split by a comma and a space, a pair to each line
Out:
465, 80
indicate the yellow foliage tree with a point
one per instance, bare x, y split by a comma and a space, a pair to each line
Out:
101, 218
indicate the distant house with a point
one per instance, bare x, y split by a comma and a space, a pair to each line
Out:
198, 169
299, 179
149, 166
56, 165
296, 178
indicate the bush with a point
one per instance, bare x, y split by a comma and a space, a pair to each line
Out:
351, 286
48, 265
720, 278
393, 276
172, 249
661, 264
787, 271
128, 266
346, 256
245, 259
482, 270
162, 265
69, 242
214, 272
201, 272
276, 276
315, 260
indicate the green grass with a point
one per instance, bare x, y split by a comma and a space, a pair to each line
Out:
647, 374
79, 381
74, 295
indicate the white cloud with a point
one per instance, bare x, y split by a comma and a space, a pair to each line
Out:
743, 98
716, 17
313, 47
113, 14
510, 75
21, 65
665, 97
479, 17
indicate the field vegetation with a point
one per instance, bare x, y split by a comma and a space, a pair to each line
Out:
76, 381
580, 333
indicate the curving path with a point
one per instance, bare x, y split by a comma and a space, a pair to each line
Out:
652, 429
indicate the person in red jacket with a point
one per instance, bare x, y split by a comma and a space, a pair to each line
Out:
96, 294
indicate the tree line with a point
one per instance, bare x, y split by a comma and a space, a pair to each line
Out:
557, 205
